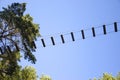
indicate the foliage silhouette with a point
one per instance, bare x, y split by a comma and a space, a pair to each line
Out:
18, 34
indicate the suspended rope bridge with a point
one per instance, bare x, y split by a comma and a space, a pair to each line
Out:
56, 39
80, 35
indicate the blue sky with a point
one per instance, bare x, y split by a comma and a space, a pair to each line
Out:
82, 59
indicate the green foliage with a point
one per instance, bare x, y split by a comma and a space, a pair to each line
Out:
18, 34
45, 77
19, 29
8, 66
107, 76
118, 76
29, 73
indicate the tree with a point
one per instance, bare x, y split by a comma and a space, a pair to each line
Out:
107, 76
118, 76
18, 34
45, 77
27, 73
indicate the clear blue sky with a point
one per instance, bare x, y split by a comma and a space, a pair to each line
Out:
82, 59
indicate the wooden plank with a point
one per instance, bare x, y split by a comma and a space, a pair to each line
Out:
62, 38
17, 48
115, 26
52, 39
104, 29
43, 42
83, 36
93, 31
72, 35
9, 49
34, 44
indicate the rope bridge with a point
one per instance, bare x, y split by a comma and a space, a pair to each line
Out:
80, 35
56, 39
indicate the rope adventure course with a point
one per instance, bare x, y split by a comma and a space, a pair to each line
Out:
104, 29
73, 36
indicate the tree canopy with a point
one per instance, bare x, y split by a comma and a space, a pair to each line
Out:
27, 73
45, 77
107, 76
18, 34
